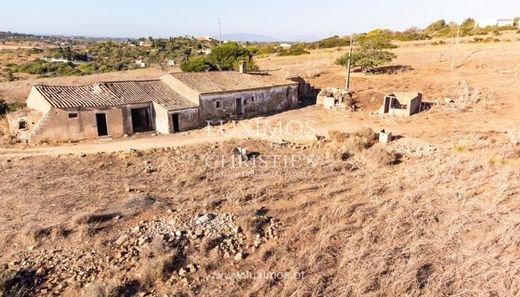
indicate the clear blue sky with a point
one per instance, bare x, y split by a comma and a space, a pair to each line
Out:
281, 19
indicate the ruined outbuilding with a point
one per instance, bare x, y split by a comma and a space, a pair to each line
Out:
331, 98
176, 102
402, 104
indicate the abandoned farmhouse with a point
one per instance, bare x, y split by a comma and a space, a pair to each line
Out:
175, 102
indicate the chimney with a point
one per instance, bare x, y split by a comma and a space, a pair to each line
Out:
242, 67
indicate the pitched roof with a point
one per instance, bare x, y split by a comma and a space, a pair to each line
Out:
112, 94
228, 81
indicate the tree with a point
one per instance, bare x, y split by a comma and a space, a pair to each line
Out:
223, 58
468, 26
196, 64
228, 55
436, 26
368, 56
516, 22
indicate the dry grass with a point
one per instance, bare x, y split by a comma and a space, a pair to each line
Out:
99, 289
374, 231
354, 141
159, 262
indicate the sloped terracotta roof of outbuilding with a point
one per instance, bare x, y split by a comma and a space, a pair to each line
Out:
117, 93
228, 81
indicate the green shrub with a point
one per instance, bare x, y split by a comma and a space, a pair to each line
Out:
330, 42
440, 42
10, 107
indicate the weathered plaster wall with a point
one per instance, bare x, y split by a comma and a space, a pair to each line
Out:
56, 126
188, 119
254, 102
37, 102
162, 123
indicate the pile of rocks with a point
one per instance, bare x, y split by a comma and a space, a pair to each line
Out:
53, 270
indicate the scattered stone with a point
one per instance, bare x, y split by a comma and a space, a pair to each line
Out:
121, 239
205, 218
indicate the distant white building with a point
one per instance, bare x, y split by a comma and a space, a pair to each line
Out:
285, 45
505, 22
57, 60
141, 43
487, 23
140, 63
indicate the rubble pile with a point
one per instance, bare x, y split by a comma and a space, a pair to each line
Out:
51, 271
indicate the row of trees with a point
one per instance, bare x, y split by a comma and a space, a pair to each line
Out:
107, 56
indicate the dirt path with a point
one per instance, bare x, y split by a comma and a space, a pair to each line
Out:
299, 125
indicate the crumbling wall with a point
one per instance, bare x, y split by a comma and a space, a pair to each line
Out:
333, 97
22, 122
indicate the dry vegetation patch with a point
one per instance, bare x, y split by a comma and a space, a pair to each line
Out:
355, 226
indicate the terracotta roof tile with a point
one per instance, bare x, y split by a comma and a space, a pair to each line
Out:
228, 81
116, 93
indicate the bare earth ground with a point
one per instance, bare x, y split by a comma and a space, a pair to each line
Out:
433, 214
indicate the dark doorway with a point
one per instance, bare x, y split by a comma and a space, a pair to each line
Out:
101, 122
386, 107
175, 121
141, 120
238, 106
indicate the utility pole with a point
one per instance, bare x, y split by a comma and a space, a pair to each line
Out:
220, 31
455, 51
349, 63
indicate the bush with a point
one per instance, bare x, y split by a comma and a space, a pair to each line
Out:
295, 51
331, 42
10, 107
355, 141
440, 42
